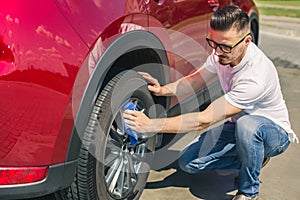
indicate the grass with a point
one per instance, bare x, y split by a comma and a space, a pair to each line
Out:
279, 12
280, 2
269, 10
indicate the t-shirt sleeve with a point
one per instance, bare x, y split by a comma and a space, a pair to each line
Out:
245, 94
210, 64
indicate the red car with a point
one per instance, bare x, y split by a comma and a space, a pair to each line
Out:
68, 67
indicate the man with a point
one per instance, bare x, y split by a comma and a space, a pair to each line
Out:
259, 127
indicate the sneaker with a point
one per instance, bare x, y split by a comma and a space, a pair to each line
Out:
243, 197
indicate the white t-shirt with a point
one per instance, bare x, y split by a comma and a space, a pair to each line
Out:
253, 86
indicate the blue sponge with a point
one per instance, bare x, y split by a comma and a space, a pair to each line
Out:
133, 135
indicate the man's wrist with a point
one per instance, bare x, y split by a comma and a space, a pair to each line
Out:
156, 125
165, 91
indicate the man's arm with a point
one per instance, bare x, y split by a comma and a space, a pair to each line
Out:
195, 81
218, 110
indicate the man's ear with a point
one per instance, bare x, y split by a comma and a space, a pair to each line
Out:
248, 39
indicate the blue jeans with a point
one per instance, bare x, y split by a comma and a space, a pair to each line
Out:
241, 145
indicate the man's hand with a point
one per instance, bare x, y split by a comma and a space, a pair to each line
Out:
154, 85
139, 122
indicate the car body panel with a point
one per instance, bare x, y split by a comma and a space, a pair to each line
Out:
36, 85
90, 18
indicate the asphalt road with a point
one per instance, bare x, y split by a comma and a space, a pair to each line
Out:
280, 40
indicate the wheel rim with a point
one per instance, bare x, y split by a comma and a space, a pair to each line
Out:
123, 161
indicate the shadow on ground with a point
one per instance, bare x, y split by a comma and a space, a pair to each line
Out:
209, 185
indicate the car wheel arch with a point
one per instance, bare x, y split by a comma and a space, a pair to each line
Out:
105, 68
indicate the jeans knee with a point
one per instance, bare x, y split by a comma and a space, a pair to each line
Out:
186, 166
246, 128
183, 165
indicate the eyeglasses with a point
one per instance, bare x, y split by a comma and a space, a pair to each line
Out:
223, 47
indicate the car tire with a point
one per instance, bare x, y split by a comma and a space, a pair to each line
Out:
109, 166
254, 28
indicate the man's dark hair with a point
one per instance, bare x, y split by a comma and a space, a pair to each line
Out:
229, 17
